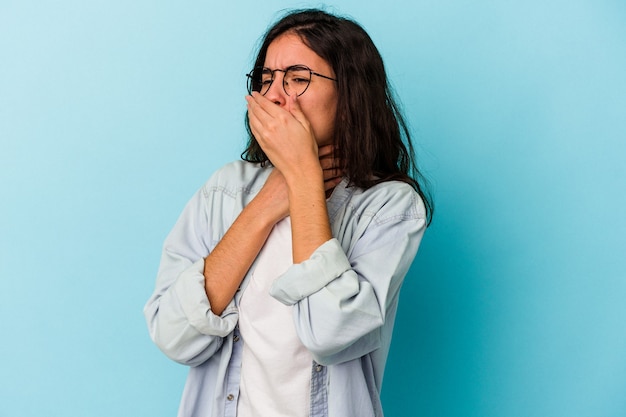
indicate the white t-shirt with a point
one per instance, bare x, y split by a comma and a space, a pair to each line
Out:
276, 367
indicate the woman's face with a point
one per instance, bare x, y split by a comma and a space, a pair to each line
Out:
319, 101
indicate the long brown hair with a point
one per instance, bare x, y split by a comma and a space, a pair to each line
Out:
370, 134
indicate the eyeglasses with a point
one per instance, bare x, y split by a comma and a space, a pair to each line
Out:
296, 79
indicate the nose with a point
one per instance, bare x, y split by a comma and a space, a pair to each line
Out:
276, 93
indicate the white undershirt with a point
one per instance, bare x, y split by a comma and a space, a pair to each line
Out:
276, 367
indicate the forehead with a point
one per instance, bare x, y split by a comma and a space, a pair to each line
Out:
288, 49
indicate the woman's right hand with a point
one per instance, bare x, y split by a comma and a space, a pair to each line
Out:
331, 167
273, 199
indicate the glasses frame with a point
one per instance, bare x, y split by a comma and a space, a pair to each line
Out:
250, 77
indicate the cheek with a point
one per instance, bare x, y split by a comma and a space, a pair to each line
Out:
324, 126
330, 115
321, 116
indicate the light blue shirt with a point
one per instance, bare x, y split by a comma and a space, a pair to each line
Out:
344, 296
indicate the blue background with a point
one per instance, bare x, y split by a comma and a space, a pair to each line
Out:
113, 113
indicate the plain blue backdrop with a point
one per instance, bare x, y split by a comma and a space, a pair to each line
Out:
112, 113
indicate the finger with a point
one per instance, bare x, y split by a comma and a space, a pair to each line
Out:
254, 122
262, 103
329, 163
262, 124
255, 107
296, 111
326, 151
332, 183
330, 174
258, 130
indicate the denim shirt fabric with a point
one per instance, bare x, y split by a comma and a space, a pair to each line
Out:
344, 296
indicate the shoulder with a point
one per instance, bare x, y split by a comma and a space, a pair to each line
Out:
397, 201
385, 202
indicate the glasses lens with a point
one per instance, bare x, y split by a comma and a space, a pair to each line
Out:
259, 80
296, 80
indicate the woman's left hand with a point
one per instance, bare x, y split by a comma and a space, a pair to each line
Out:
284, 134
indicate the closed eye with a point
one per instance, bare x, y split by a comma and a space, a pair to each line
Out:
299, 80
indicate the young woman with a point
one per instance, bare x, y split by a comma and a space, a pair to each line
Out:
279, 283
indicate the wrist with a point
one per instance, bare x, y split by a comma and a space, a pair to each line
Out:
306, 178
262, 214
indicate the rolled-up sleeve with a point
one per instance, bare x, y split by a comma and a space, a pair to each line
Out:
340, 302
179, 316
327, 263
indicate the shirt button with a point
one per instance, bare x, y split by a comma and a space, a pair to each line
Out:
230, 397
236, 339
318, 368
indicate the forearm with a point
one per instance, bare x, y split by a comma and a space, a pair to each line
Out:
310, 226
226, 266
341, 304
180, 323
343, 294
